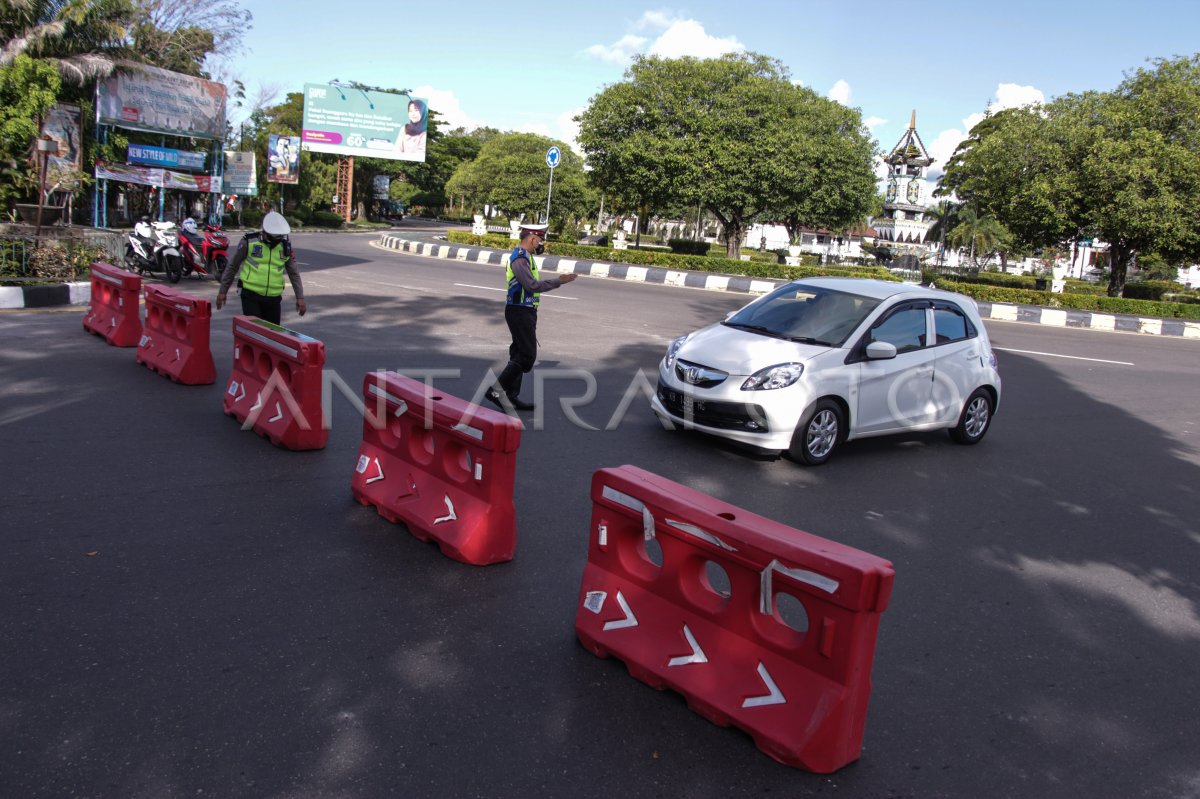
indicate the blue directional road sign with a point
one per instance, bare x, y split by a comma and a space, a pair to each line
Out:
553, 156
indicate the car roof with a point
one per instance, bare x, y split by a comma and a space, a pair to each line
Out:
868, 287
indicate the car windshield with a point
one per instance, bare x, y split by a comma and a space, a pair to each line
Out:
807, 314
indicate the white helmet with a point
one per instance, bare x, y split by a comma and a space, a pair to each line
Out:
275, 227
189, 225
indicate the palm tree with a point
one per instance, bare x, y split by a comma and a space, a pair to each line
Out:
945, 218
982, 234
82, 38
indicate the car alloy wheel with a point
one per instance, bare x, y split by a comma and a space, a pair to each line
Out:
817, 437
976, 418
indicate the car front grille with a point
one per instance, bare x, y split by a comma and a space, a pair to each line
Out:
742, 416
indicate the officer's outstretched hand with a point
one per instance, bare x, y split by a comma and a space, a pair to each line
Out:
220, 300
301, 306
567, 278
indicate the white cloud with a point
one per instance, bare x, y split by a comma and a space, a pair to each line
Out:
688, 38
450, 112
679, 37
1008, 95
620, 52
568, 128
658, 20
873, 122
840, 93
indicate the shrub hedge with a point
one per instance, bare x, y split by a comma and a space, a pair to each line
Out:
688, 246
1079, 302
326, 219
696, 263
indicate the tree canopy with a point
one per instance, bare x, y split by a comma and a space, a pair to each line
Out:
510, 174
1123, 166
733, 134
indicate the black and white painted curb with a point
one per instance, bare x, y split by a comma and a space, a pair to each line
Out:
1052, 317
17, 297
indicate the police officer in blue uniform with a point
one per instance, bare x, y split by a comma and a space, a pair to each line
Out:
525, 286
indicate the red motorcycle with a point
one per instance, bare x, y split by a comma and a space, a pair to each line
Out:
207, 253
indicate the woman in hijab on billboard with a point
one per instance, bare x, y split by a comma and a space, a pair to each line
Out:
412, 136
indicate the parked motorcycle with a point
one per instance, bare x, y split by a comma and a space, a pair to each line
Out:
166, 250
207, 253
154, 247
139, 248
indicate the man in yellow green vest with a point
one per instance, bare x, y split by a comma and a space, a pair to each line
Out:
525, 287
259, 263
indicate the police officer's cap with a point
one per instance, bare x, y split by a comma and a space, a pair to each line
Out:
537, 230
275, 226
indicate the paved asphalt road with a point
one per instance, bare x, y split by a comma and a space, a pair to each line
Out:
189, 611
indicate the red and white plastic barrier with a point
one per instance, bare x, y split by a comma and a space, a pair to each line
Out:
276, 384
441, 465
175, 337
114, 314
797, 682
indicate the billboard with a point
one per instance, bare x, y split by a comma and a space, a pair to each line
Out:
139, 97
346, 121
63, 123
283, 159
160, 178
241, 177
149, 155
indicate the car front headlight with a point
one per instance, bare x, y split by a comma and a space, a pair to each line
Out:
673, 351
779, 376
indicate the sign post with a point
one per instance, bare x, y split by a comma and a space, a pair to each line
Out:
553, 157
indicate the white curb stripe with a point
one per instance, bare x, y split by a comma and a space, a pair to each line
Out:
1055, 317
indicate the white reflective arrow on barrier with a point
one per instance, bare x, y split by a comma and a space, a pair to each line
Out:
697, 655
773, 696
278, 414
378, 477
619, 624
257, 402
450, 516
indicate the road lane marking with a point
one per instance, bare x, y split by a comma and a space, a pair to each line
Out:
493, 288
1056, 355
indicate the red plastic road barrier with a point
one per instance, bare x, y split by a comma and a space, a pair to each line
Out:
796, 680
114, 314
441, 465
276, 384
175, 338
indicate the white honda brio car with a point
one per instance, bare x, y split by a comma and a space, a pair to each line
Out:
824, 360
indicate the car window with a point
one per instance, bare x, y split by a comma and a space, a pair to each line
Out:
805, 313
905, 329
950, 325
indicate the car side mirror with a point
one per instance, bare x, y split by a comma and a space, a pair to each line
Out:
881, 350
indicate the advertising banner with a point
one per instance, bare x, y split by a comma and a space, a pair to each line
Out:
63, 123
161, 178
139, 97
346, 121
283, 159
241, 177
148, 155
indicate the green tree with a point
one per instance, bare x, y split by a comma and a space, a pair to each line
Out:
82, 39
981, 235
1123, 166
182, 35
733, 134
510, 174
28, 88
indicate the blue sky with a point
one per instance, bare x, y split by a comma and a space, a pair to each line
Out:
531, 66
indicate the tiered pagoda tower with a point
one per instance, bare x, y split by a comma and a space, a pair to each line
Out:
903, 224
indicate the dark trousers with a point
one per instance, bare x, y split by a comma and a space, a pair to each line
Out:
522, 353
268, 309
